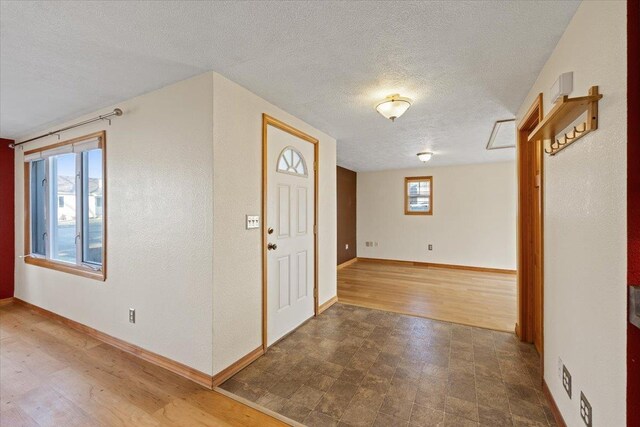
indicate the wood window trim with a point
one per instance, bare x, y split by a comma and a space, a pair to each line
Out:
77, 270
409, 179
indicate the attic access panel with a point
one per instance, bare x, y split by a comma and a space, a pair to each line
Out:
503, 135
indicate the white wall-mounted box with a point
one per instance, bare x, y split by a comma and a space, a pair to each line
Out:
561, 87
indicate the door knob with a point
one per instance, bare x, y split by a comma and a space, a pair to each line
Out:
270, 230
272, 246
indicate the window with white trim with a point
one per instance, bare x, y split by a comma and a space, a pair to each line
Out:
65, 203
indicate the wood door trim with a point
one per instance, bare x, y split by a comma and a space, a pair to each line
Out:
266, 121
525, 325
326, 305
151, 357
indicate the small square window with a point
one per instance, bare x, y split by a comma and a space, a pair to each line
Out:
418, 195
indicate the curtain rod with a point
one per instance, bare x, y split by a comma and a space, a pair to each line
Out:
115, 112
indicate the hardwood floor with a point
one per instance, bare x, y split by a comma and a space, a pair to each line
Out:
51, 375
482, 299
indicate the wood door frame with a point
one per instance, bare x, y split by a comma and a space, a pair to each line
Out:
526, 254
268, 120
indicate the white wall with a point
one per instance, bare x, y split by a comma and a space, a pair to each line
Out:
473, 221
160, 209
237, 181
585, 222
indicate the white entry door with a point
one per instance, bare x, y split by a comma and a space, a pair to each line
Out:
290, 234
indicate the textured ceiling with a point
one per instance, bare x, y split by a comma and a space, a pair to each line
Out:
465, 64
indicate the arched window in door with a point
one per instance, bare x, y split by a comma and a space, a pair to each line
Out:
291, 161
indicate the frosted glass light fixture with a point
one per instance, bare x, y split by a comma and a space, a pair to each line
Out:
393, 106
425, 156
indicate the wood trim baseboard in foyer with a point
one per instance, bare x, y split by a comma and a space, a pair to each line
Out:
158, 360
239, 365
347, 263
5, 301
552, 404
178, 368
436, 265
327, 304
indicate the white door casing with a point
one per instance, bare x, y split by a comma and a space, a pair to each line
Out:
290, 214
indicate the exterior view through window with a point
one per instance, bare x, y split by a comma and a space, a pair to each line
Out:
418, 195
66, 191
291, 161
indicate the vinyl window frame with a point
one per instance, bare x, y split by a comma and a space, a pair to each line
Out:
407, 181
82, 268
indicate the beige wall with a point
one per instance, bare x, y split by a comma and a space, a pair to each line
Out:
473, 221
237, 184
585, 222
160, 209
183, 169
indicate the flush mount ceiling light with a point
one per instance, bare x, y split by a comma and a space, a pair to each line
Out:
393, 106
425, 156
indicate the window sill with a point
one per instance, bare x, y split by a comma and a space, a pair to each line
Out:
67, 268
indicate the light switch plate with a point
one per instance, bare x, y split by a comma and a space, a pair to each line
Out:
253, 221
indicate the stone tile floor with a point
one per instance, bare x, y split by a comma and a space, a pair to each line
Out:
355, 366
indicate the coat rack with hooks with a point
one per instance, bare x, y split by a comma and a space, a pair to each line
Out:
564, 113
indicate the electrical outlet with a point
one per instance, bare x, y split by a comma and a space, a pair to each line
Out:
132, 315
346, 247
585, 410
566, 380
430, 247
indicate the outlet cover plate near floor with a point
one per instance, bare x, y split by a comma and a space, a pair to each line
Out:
566, 380
585, 410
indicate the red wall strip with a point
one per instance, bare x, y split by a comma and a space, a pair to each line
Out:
633, 204
7, 255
